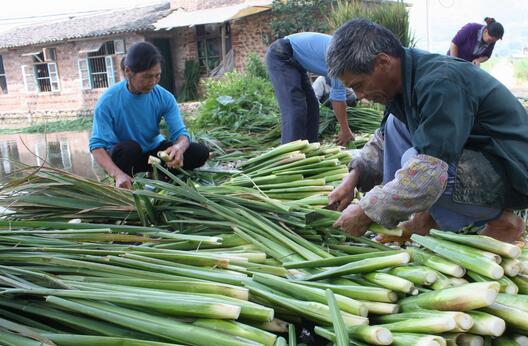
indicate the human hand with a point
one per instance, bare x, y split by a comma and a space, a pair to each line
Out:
364, 102
123, 180
175, 153
344, 192
353, 220
344, 136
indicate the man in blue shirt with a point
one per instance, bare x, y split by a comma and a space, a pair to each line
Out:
126, 121
288, 60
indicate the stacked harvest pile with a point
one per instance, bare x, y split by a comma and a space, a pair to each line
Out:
72, 285
228, 265
295, 171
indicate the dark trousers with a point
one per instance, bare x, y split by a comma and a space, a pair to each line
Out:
296, 98
129, 157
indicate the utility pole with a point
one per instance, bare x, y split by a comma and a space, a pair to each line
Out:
427, 25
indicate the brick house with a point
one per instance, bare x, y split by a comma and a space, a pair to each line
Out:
59, 70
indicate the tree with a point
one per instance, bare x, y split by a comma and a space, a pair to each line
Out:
291, 16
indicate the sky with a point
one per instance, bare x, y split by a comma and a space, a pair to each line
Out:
444, 18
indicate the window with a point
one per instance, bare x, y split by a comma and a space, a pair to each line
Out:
59, 155
3, 81
211, 47
97, 70
42, 75
8, 155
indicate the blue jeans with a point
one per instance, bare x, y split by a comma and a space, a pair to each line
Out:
448, 214
298, 104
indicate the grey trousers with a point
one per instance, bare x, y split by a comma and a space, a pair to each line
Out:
296, 98
449, 214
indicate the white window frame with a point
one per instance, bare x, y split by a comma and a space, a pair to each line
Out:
30, 81
110, 72
6, 161
65, 154
85, 73
3, 75
50, 54
37, 154
53, 76
119, 46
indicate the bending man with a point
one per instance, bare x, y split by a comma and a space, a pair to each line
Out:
289, 60
453, 146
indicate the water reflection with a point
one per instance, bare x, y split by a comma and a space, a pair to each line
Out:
65, 150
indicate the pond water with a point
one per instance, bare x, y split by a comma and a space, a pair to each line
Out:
65, 150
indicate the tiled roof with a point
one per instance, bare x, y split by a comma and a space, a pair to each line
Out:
115, 22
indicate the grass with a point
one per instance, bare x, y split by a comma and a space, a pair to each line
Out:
520, 66
520, 69
78, 124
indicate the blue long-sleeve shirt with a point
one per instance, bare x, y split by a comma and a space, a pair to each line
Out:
121, 115
309, 50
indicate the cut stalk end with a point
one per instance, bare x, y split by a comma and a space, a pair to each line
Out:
521, 340
428, 341
463, 321
497, 327
384, 336
470, 340
490, 296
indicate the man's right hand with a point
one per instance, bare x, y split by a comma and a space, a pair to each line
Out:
344, 136
344, 193
123, 180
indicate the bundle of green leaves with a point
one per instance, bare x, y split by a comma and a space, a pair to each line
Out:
239, 107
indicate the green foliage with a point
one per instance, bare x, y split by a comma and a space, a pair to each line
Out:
520, 66
191, 76
361, 119
392, 15
238, 100
78, 124
395, 17
343, 11
488, 65
520, 69
239, 110
291, 16
255, 67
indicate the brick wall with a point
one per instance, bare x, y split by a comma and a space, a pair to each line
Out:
26, 107
250, 34
183, 47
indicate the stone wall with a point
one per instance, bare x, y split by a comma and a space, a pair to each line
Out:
251, 34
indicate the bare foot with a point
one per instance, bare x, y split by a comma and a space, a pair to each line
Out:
420, 223
508, 227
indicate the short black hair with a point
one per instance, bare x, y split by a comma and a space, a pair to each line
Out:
356, 44
142, 56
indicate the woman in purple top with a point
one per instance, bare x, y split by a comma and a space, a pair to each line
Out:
475, 42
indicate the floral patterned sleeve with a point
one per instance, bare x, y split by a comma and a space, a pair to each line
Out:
369, 163
416, 187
